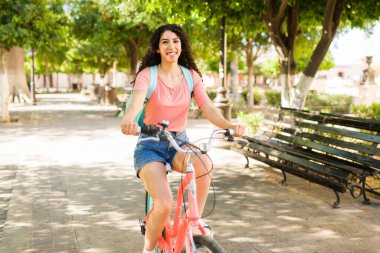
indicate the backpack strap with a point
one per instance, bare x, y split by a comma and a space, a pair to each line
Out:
152, 82
189, 79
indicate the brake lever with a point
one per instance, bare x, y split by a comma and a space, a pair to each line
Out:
228, 135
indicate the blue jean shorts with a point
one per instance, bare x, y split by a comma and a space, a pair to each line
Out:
152, 151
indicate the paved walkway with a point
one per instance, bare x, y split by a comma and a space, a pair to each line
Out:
67, 184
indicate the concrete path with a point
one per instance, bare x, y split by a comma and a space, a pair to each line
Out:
67, 184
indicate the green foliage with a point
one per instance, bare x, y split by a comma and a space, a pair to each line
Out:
23, 23
329, 103
88, 35
305, 46
273, 98
371, 111
253, 120
257, 96
268, 67
320, 102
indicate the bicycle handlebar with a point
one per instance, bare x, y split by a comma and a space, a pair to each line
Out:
160, 134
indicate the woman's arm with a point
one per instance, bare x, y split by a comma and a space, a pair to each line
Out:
215, 117
127, 124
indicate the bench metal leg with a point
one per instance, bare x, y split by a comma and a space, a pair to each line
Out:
283, 181
247, 165
337, 202
366, 199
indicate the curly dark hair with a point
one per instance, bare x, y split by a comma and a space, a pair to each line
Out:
152, 58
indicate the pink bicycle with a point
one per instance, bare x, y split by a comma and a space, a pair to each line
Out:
179, 237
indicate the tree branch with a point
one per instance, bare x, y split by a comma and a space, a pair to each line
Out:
328, 17
339, 8
330, 25
292, 27
274, 22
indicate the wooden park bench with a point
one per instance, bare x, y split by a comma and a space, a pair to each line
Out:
338, 152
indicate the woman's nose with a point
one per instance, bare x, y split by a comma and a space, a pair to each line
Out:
171, 45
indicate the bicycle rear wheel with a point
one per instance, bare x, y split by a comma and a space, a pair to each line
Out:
206, 244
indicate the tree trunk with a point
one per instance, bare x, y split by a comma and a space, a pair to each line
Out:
133, 47
300, 92
331, 20
48, 79
221, 100
114, 73
250, 79
234, 82
4, 86
18, 85
32, 79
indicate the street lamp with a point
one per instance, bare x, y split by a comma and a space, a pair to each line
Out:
221, 100
32, 83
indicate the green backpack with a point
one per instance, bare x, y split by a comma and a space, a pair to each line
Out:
139, 119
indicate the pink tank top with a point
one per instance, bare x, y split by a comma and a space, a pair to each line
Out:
171, 104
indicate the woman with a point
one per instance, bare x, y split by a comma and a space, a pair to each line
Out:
169, 48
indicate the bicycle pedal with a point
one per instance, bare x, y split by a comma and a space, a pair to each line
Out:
142, 227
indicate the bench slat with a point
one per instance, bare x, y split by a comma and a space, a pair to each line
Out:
328, 118
325, 170
331, 151
318, 157
344, 144
342, 132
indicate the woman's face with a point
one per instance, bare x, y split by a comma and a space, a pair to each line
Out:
169, 47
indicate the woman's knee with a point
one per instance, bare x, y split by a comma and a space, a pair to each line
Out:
202, 164
163, 205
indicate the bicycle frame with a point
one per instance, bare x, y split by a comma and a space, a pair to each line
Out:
180, 233
181, 229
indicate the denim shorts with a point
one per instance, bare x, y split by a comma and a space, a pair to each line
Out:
153, 151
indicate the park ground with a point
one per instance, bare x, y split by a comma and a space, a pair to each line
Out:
67, 184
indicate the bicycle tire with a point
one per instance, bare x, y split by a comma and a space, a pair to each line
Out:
206, 244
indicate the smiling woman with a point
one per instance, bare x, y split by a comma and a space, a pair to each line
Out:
177, 82
169, 47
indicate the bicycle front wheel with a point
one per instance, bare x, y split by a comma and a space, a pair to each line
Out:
206, 244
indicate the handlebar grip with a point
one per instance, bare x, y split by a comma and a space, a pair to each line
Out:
148, 129
229, 134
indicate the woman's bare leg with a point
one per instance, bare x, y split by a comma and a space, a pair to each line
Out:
155, 181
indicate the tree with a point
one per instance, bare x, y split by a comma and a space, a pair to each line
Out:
285, 20
255, 46
51, 52
21, 24
18, 86
94, 33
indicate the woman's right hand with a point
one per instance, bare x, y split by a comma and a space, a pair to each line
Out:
128, 126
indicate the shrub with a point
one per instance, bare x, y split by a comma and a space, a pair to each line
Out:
319, 102
329, 103
273, 98
257, 95
253, 120
367, 111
